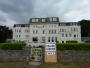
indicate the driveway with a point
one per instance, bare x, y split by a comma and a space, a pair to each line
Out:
34, 65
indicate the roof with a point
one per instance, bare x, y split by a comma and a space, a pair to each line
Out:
44, 20
47, 20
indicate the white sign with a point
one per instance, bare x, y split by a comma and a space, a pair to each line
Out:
50, 53
50, 47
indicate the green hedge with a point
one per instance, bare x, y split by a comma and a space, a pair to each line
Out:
73, 46
88, 41
12, 46
71, 41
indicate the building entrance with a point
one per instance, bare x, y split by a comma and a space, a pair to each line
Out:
36, 54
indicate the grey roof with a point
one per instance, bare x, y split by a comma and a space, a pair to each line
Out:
48, 20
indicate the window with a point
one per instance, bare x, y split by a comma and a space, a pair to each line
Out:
33, 31
35, 39
74, 29
26, 30
52, 26
43, 31
43, 26
60, 30
48, 39
52, 39
63, 30
36, 20
36, 31
19, 30
54, 31
43, 20
70, 35
74, 35
43, 39
15, 30
51, 19
55, 39
33, 20
49, 31
49, 26
62, 35
66, 35
71, 29
54, 19
77, 35
19, 36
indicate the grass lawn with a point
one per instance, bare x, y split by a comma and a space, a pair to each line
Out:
13, 64
84, 64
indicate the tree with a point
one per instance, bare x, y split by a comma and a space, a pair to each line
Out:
85, 28
5, 33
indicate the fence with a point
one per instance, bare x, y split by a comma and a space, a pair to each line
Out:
65, 55
72, 55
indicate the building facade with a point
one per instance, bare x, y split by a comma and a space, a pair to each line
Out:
41, 31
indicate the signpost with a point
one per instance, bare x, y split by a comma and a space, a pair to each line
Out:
50, 53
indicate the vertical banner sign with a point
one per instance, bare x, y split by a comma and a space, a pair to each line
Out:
50, 53
50, 49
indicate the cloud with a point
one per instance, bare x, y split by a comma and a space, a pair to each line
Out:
19, 11
6, 20
78, 11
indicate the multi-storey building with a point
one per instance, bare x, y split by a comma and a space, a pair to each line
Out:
41, 31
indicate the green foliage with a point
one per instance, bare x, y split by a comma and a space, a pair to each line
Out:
88, 41
57, 41
36, 51
85, 28
71, 41
5, 33
12, 46
73, 46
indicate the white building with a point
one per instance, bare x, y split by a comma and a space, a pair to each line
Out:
41, 31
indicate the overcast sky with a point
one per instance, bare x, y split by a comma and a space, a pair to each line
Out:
19, 11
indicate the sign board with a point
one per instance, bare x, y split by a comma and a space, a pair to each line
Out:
50, 53
50, 47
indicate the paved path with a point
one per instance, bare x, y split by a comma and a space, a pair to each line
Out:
34, 65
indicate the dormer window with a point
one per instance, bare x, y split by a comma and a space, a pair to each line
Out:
36, 20
43, 20
54, 19
33, 20
51, 19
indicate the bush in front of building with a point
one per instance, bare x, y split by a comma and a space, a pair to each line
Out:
73, 46
71, 41
88, 41
12, 46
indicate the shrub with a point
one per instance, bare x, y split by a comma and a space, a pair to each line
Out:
12, 46
88, 41
73, 46
71, 41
